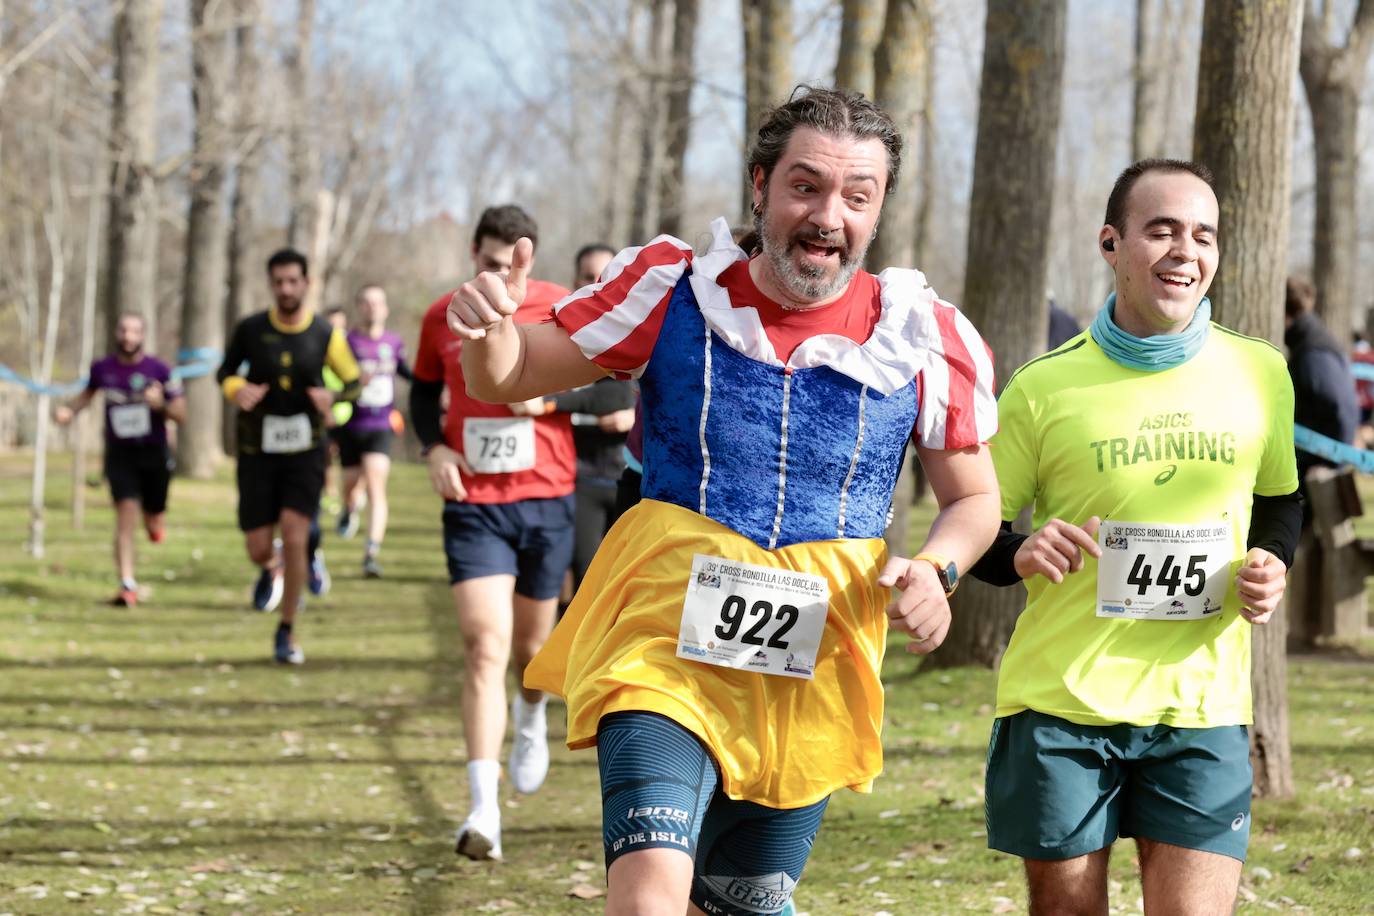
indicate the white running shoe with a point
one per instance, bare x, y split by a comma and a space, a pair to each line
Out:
529, 753
480, 838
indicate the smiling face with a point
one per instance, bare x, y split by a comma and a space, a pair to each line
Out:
1166, 254
817, 213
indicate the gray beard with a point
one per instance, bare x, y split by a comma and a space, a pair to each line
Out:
806, 283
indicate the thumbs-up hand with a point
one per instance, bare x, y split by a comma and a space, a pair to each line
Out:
1260, 584
491, 297
1056, 549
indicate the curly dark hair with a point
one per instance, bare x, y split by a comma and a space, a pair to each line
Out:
836, 112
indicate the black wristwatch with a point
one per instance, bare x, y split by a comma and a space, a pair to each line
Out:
944, 568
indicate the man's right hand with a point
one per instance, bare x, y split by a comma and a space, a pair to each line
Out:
63, 414
444, 467
250, 395
488, 299
1056, 549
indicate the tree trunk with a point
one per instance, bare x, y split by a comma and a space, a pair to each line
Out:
615, 216
1333, 77
1244, 131
651, 124
303, 152
84, 420
54, 226
1008, 247
207, 233
244, 271
767, 71
672, 180
1150, 96
131, 262
926, 172
861, 22
901, 63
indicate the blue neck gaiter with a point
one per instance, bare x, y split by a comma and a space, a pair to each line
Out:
1150, 354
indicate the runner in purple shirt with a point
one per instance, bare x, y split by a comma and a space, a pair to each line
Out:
140, 396
365, 440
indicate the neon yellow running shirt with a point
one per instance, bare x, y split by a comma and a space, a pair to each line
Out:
1188, 447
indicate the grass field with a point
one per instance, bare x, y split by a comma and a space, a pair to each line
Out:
153, 760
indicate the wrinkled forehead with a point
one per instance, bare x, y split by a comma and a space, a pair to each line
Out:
843, 157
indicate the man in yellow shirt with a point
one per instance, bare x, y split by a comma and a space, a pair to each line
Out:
273, 371
1157, 450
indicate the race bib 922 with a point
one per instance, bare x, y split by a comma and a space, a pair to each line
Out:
758, 618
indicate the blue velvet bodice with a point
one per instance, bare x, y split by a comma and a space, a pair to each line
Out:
781, 455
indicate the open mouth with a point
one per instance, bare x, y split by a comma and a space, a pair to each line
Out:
818, 251
1176, 281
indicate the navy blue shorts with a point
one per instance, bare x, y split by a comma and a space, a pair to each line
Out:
1057, 790
660, 789
531, 539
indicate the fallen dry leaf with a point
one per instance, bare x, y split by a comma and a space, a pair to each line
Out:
586, 892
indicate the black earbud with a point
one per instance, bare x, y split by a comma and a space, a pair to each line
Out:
1108, 245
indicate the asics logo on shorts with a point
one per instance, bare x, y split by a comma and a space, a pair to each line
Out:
1239, 822
676, 814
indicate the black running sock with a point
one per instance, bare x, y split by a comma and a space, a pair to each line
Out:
314, 543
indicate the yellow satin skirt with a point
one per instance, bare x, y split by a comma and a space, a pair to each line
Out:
779, 741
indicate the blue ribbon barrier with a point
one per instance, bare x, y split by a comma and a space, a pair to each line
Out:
1333, 450
194, 363
1362, 371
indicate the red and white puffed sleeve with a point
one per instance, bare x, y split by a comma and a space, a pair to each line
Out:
616, 321
958, 392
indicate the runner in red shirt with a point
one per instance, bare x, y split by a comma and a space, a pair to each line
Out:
506, 473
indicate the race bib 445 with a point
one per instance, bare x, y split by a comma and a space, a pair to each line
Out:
1150, 571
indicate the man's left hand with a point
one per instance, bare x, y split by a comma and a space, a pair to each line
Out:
154, 397
1260, 584
922, 608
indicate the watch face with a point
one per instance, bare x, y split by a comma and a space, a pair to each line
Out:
949, 577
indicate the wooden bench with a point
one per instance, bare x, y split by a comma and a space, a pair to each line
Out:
1326, 587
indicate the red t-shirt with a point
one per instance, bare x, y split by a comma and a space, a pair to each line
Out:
853, 315
555, 462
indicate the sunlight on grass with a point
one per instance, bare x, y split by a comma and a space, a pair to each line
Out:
154, 760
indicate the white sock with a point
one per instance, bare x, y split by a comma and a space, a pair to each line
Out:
483, 779
529, 717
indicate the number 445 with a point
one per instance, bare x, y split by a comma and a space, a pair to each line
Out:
1171, 575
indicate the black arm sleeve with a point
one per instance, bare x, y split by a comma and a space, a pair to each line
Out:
234, 356
403, 369
424, 411
998, 565
598, 399
1275, 523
